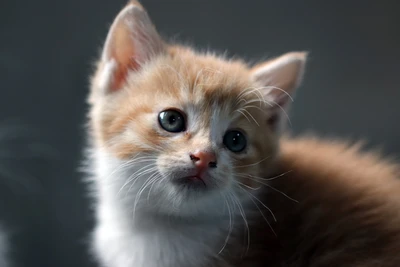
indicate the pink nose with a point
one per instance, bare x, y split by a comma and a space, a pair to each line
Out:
204, 159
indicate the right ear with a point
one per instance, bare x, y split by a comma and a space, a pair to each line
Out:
131, 42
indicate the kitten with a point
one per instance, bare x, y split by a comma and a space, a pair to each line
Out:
185, 149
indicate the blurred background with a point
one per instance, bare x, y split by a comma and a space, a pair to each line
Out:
351, 90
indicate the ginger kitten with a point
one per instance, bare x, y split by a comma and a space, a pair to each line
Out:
188, 168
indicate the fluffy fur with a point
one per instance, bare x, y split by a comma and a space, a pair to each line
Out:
332, 205
335, 205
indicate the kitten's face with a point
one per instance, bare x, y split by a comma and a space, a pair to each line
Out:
182, 128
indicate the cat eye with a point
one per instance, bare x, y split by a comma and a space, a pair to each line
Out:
172, 121
235, 141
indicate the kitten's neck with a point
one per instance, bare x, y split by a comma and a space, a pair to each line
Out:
155, 240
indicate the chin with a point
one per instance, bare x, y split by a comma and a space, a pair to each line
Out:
195, 186
191, 200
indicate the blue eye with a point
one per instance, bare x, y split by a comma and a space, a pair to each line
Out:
235, 141
172, 121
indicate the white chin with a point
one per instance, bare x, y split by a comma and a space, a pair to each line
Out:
189, 202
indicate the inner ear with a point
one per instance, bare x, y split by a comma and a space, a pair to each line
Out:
131, 42
284, 73
278, 80
278, 112
273, 121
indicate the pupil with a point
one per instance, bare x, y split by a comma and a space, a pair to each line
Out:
236, 139
172, 119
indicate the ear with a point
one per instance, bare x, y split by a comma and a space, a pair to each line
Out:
279, 79
131, 42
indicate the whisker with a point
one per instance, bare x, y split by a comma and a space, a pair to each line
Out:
155, 179
284, 112
243, 214
283, 91
264, 179
129, 163
141, 190
244, 115
252, 164
273, 188
251, 116
252, 106
265, 206
262, 214
230, 225
261, 98
135, 178
247, 186
132, 175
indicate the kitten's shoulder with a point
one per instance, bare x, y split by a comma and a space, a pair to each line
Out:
348, 203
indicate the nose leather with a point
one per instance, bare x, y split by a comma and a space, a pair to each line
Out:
204, 159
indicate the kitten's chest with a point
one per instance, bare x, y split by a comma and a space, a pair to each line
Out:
175, 249
158, 247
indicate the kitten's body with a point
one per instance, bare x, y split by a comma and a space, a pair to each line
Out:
180, 142
348, 209
347, 214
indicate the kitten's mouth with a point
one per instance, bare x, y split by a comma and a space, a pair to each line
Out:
193, 181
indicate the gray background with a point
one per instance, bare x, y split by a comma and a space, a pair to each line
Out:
46, 49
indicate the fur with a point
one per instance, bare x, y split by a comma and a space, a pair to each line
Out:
335, 205
332, 205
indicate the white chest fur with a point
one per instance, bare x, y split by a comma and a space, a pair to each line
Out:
156, 242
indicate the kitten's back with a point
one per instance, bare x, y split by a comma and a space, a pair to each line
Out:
348, 209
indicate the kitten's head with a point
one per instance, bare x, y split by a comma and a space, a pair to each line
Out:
182, 128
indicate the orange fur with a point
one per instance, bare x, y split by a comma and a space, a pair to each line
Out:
348, 210
209, 80
346, 207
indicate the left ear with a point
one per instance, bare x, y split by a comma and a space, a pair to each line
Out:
132, 41
279, 79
